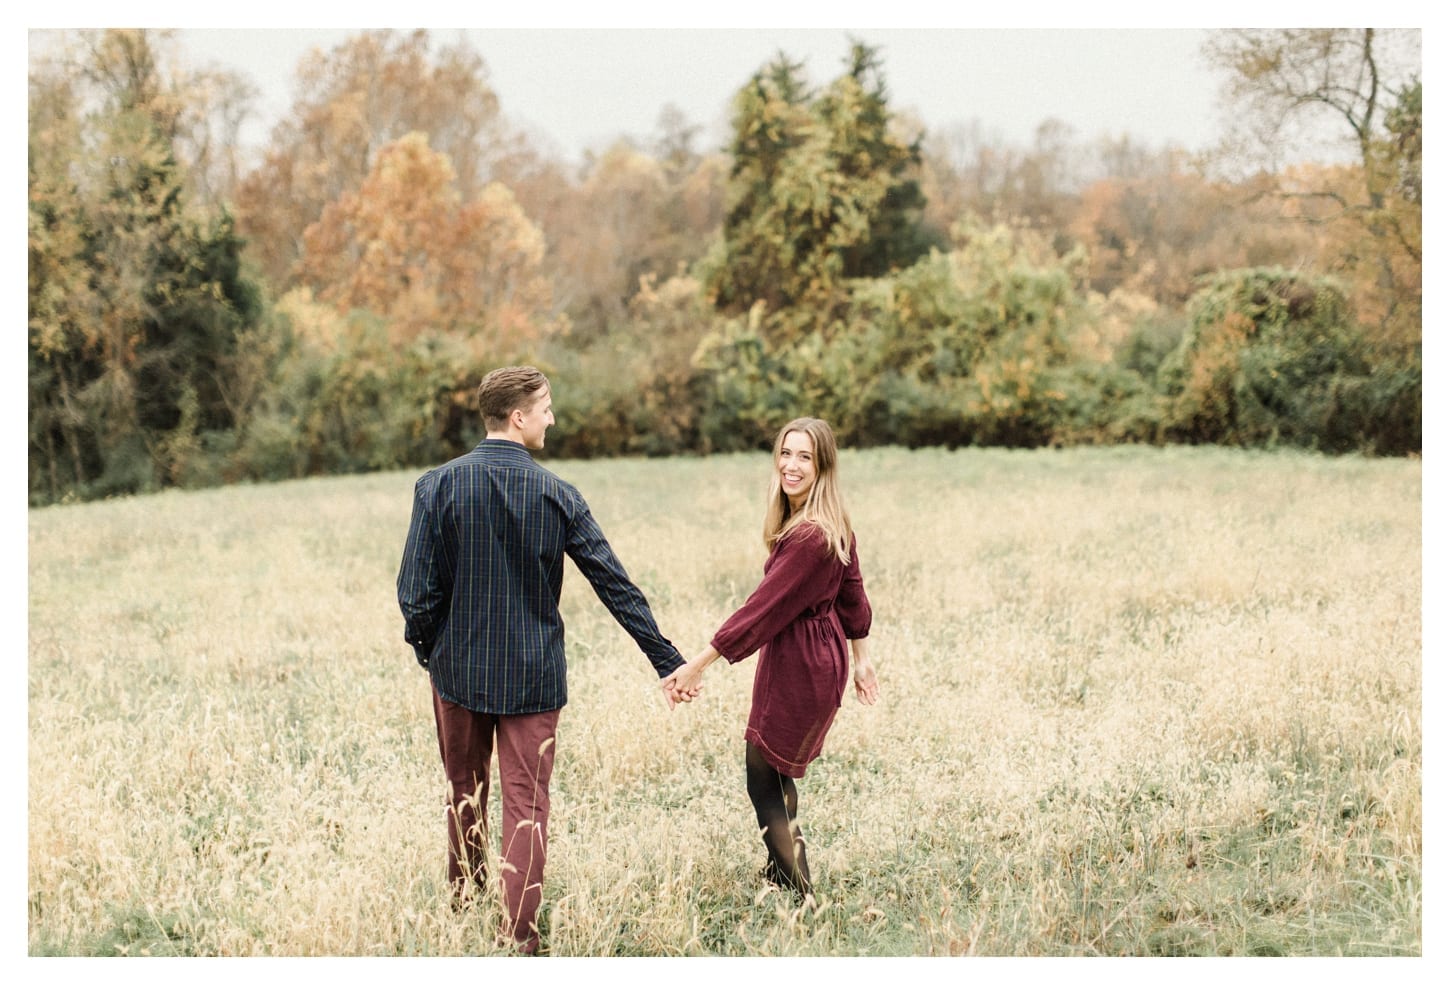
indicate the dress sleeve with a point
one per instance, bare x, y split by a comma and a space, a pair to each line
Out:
852, 606
797, 577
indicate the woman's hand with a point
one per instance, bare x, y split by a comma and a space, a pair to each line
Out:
864, 674
866, 687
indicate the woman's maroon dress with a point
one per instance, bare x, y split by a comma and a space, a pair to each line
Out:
799, 618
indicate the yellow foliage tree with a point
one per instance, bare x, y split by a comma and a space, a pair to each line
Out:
405, 247
1363, 84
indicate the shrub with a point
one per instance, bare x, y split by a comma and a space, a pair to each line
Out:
1273, 357
349, 402
635, 390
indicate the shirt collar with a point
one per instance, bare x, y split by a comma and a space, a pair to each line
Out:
504, 447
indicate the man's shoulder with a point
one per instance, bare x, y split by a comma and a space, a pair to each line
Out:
487, 455
502, 457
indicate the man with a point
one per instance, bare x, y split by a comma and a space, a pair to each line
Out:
479, 588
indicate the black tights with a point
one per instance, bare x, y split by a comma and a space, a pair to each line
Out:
773, 794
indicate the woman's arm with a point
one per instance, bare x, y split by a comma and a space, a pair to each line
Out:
800, 571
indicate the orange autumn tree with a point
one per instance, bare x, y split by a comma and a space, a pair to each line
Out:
350, 102
1158, 235
406, 247
1372, 245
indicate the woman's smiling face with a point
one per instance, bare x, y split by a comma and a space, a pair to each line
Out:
797, 467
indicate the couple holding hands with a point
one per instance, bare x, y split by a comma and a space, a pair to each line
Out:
479, 587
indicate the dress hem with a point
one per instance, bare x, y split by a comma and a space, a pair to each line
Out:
795, 771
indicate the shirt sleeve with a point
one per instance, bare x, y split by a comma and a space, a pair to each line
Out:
423, 594
799, 575
597, 561
852, 606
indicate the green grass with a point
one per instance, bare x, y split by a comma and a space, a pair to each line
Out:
1135, 702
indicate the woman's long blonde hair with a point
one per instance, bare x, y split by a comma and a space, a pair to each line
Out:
823, 507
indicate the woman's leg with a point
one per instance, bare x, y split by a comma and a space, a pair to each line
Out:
774, 796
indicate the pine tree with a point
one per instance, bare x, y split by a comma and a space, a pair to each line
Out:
821, 191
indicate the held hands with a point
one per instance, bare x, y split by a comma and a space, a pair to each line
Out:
676, 691
684, 684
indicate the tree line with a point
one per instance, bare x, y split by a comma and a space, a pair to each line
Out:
197, 318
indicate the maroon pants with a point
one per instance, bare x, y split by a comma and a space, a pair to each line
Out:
466, 740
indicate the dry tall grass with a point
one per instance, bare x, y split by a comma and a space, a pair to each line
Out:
1134, 702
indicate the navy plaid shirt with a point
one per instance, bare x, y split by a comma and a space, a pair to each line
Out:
481, 575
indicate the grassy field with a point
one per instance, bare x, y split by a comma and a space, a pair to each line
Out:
1135, 702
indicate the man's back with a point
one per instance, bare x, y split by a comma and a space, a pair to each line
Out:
483, 572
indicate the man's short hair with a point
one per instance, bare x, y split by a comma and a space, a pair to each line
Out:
506, 390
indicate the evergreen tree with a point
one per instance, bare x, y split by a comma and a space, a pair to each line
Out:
821, 191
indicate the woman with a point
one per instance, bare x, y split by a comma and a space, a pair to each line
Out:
809, 604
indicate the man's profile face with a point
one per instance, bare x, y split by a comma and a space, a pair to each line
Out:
537, 418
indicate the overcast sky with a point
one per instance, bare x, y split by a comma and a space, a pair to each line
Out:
578, 75
579, 89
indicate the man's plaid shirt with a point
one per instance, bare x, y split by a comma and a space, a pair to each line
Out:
481, 575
